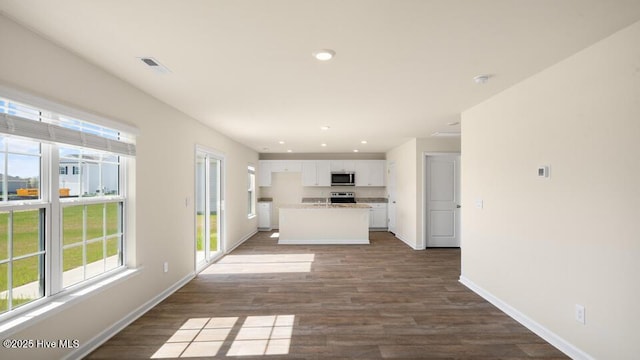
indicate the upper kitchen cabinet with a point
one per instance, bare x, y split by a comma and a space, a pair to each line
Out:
264, 173
316, 173
267, 167
286, 166
370, 172
343, 165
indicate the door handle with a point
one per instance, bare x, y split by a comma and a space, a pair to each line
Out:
458, 206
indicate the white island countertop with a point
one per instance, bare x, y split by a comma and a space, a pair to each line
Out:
322, 223
324, 206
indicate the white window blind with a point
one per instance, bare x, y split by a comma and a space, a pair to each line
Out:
18, 126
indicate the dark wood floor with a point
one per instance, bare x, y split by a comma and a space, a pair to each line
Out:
382, 300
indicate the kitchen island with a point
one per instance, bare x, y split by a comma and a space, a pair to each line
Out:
335, 224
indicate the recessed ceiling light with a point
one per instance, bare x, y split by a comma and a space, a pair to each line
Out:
281, 142
363, 142
481, 79
325, 128
324, 54
356, 150
323, 145
289, 150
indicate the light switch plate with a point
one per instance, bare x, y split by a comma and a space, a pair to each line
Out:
479, 203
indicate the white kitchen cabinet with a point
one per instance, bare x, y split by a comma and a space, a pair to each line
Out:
378, 216
286, 166
370, 172
264, 173
316, 173
343, 165
264, 216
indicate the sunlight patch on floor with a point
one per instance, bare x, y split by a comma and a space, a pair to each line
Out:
204, 337
275, 235
261, 264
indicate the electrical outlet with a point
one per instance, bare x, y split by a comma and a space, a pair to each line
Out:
166, 266
580, 314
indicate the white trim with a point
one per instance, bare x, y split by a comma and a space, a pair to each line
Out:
561, 344
242, 241
425, 155
56, 107
401, 238
59, 302
108, 333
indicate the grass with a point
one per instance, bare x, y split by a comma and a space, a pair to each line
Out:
213, 238
26, 240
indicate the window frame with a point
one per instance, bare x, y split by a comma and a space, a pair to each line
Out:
52, 205
251, 192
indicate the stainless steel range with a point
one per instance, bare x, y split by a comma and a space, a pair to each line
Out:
343, 197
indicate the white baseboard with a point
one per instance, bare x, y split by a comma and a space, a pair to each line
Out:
406, 242
108, 333
245, 238
551, 337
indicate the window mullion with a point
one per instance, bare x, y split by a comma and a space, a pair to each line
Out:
53, 237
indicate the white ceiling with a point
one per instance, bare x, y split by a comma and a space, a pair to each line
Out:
403, 69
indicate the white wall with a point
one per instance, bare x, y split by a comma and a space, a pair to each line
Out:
409, 160
164, 175
542, 246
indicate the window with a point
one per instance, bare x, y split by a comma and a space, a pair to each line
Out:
251, 182
38, 257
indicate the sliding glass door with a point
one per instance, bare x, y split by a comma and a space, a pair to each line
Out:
208, 203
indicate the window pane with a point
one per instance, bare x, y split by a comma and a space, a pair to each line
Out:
4, 236
214, 178
113, 252
113, 218
23, 177
72, 224
72, 266
2, 174
95, 258
23, 146
95, 221
26, 232
110, 179
200, 207
27, 284
89, 178
4, 283
70, 180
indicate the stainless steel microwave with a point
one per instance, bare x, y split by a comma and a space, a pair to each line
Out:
344, 178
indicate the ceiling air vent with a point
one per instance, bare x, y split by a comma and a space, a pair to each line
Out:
154, 65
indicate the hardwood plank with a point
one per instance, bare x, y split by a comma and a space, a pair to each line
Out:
382, 300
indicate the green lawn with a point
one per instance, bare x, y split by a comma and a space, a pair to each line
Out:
213, 240
26, 240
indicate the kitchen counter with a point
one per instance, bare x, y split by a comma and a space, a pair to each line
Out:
325, 206
317, 224
372, 200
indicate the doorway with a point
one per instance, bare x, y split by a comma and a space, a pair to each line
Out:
392, 193
209, 206
442, 200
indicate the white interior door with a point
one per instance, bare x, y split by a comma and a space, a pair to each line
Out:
443, 201
391, 188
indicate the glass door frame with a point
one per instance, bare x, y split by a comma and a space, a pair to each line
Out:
209, 155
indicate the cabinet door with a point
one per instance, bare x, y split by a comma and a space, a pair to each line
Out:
309, 173
264, 173
323, 172
376, 173
362, 173
379, 217
286, 166
343, 165
264, 215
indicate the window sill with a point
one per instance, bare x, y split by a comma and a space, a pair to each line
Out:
57, 303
